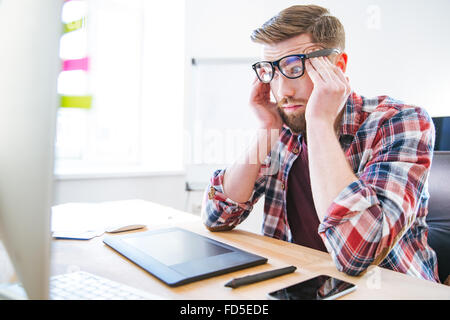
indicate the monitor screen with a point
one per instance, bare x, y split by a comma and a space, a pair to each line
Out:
29, 62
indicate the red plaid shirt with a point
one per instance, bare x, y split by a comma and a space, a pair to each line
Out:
379, 219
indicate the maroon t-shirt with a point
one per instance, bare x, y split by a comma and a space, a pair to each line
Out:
301, 212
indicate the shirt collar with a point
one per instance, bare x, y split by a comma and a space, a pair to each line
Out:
351, 118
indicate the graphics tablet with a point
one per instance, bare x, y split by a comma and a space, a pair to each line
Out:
177, 256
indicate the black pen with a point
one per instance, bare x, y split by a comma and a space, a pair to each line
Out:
237, 282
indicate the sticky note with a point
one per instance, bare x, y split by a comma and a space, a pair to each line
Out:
76, 64
74, 25
83, 102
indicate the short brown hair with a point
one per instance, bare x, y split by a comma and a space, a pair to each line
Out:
316, 21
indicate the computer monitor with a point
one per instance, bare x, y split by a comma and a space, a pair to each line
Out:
30, 31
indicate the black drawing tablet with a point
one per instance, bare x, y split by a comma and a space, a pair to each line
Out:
177, 256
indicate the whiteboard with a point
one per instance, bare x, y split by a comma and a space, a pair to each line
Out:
220, 121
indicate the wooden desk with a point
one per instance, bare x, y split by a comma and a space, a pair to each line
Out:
377, 283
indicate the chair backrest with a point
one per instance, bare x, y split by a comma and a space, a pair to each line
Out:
438, 218
442, 127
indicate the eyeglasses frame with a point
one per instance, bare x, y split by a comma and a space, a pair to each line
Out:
302, 56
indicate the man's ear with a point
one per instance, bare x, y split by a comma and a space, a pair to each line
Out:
341, 61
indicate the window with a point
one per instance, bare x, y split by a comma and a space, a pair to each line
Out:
134, 52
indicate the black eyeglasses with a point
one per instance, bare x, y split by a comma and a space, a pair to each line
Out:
292, 66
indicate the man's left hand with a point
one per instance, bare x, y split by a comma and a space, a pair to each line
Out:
330, 93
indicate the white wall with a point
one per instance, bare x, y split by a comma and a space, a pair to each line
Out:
165, 189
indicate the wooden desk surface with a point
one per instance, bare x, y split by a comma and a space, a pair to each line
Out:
377, 283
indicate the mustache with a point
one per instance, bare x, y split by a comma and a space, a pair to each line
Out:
291, 101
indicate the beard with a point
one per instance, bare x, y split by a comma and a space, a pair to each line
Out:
296, 120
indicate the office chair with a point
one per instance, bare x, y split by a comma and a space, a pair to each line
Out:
438, 218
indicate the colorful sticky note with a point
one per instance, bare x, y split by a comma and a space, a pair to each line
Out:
83, 102
74, 25
76, 64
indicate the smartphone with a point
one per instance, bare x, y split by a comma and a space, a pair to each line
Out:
322, 287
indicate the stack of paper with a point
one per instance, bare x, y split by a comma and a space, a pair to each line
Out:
88, 220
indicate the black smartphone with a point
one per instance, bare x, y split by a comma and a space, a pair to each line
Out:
319, 288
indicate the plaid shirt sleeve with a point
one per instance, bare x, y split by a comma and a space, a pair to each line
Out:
369, 216
222, 213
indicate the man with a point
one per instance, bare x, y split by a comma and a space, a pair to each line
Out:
343, 173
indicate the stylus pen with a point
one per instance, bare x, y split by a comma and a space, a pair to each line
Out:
259, 277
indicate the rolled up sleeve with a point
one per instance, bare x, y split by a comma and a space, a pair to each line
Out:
222, 213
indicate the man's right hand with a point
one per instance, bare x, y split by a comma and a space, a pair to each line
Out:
266, 110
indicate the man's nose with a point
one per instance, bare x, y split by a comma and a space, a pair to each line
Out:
286, 86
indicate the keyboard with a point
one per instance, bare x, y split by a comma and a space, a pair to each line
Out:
83, 285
